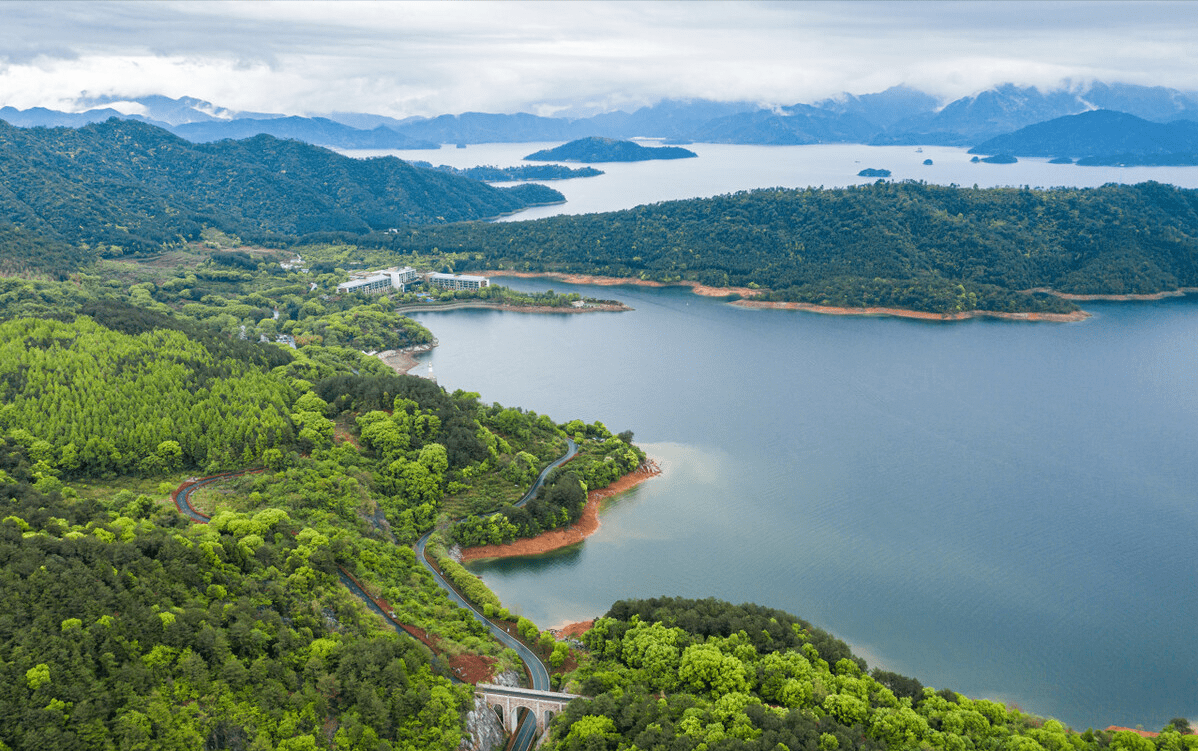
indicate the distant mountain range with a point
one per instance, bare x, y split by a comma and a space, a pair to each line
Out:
1102, 137
898, 116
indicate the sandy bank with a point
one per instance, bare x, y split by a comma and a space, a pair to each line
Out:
403, 360
586, 526
1078, 315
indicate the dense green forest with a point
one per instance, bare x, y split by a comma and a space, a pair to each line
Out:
691, 675
119, 187
132, 628
925, 247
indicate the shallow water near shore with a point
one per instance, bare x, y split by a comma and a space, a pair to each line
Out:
1005, 509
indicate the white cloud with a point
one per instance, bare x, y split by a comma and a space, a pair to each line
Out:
404, 58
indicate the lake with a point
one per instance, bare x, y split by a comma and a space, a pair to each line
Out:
1006, 509
724, 168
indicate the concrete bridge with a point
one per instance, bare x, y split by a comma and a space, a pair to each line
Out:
544, 705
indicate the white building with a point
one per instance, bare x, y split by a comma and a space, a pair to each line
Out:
458, 281
381, 281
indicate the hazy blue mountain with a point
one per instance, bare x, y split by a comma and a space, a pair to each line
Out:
480, 127
985, 115
1155, 103
886, 108
315, 130
1103, 135
187, 109
35, 117
596, 149
795, 125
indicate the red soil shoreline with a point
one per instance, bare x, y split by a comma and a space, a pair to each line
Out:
1079, 315
586, 526
700, 289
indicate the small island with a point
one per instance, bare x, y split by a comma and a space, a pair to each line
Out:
1000, 159
927, 162
871, 172
596, 149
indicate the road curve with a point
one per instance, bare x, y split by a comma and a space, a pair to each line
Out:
538, 673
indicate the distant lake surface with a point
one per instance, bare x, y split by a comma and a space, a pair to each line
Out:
1006, 509
722, 168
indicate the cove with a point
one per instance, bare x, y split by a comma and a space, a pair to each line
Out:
1004, 509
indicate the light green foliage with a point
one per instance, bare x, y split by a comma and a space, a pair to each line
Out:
115, 403
705, 670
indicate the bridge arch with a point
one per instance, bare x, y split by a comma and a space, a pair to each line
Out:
544, 705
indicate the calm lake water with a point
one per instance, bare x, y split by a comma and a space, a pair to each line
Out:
1005, 509
722, 168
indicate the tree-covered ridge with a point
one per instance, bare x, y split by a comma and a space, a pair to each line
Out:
118, 632
121, 186
691, 675
599, 149
909, 244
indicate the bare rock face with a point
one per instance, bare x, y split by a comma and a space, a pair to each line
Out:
508, 678
486, 731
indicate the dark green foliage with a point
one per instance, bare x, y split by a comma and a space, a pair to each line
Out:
122, 634
598, 149
907, 242
121, 187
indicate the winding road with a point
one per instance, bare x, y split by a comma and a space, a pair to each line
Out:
537, 672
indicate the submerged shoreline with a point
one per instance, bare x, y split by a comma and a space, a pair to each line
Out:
586, 525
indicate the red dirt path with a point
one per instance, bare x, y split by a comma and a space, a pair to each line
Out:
579, 531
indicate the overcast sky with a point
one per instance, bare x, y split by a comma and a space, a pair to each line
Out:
428, 58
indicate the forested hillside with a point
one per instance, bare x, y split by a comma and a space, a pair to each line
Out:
121, 187
909, 245
127, 626
684, 675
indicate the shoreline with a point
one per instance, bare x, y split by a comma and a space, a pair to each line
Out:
464, 304
614, 281
403, 360
745, 292
586, 525
1079, 315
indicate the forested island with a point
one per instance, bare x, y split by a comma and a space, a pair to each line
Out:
597, 149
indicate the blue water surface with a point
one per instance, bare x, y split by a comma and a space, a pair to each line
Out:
1007, 509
